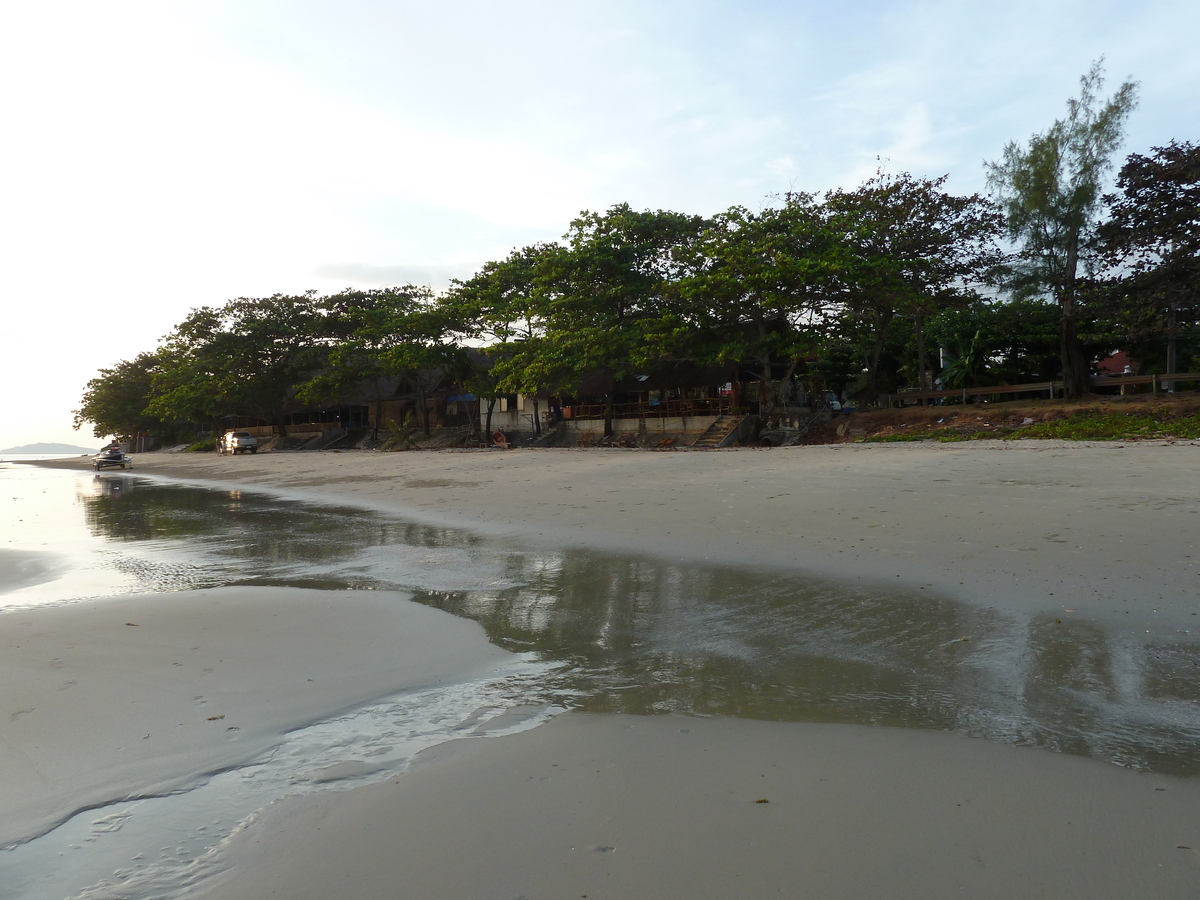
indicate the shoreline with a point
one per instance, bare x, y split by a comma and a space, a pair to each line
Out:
141, 694
1103, 529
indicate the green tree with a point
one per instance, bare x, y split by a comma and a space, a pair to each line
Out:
115, 401
601, 301
1050, 190
838, 364
998, 342
909, 249
377, 337
756, 286
246, 358
500, 307
1151, 244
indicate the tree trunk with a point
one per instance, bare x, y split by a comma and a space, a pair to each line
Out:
422, 409
537, 418
473, 434
608, 414
1076, 376
378, 415
919, 325
876, 355
491, 406
782, 395
1172, 338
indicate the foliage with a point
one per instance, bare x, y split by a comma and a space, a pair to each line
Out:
202, 446
1013, 342
1050, 190
754, 287
1151, 245
908, 249
555, 314
602, 298
245, 358
378, 338
1082, 425
400, 437
114, 402
501, 307
837, 365
969, 368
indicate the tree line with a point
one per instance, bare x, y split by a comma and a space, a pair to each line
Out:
854, 287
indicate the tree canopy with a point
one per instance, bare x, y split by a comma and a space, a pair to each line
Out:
245, 358
114, 402
1151, 245
1050, 190
910, 249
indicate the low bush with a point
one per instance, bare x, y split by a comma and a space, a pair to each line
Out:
1083, 425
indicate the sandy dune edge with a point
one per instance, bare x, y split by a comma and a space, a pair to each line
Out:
133, 695
665, 807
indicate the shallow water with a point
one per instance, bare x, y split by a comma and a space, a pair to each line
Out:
617, 633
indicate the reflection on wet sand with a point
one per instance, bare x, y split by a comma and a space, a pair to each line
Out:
646, 636
641, 635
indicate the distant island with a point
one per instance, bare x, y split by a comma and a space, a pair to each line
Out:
48, 449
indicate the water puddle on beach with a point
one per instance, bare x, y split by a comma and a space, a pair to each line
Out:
594, 631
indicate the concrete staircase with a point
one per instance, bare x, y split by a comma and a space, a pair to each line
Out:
721, 433
351, 437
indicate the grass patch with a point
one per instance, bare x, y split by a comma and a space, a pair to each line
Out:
1093, 425
1083, 425
202, 446
945, 435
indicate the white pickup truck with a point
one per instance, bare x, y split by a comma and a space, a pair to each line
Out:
237, 442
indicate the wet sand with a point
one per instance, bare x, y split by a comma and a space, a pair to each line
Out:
628, 808
21, 568
1086, 530
1097, 528
132, 696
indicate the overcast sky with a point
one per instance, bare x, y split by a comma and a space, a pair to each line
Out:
159, 156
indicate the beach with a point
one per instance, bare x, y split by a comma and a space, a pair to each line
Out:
1098, 528
1082, 536
675, 807
138, 695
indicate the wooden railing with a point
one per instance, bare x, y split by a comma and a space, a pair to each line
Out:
1051, 388
705, 406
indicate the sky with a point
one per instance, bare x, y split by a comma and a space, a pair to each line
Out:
162, 156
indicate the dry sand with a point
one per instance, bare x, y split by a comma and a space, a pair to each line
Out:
629, 808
